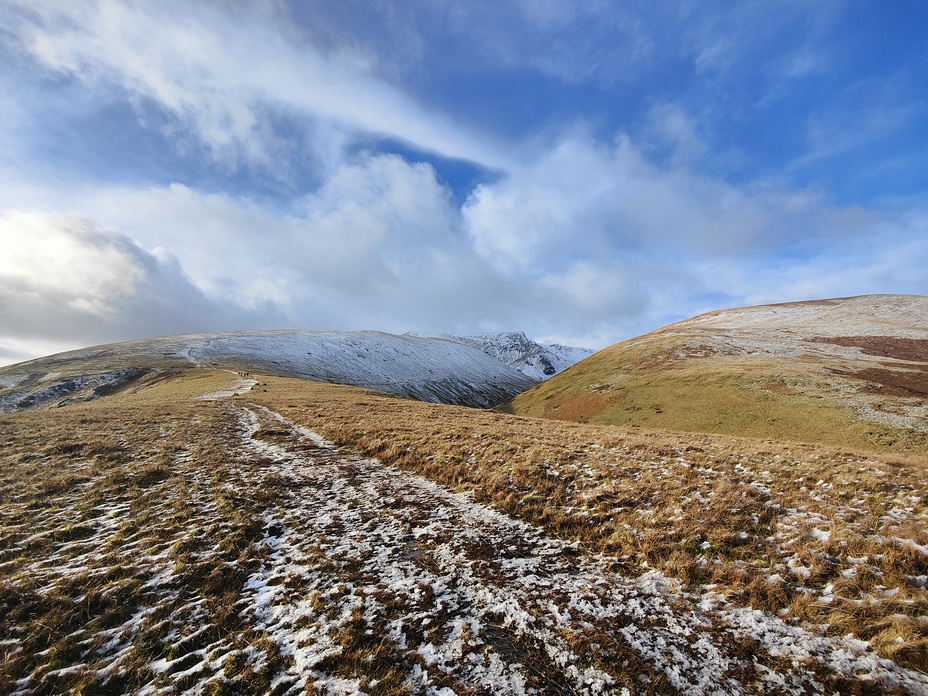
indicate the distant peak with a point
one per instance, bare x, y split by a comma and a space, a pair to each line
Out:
518, 351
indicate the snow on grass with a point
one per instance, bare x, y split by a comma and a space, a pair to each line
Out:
111, 586
459, 594
242, 385
211, 547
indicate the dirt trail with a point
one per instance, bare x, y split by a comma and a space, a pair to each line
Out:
375, 578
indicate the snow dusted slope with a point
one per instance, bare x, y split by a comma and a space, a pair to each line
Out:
787, 329
428, 369
535, 360
562, 357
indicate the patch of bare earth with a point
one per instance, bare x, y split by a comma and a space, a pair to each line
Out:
908, 349
890, 382
905, 374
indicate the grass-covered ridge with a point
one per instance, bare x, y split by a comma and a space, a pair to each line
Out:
850, 373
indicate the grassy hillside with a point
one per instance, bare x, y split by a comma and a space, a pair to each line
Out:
723, 374
156, 539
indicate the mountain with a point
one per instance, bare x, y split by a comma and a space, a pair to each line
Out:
202, 531
849, 371
428, 369
535, 360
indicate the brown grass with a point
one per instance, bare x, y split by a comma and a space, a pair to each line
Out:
70, 571
817, 535
748, 516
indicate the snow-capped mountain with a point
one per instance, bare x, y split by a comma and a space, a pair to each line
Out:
428, 369
535, 360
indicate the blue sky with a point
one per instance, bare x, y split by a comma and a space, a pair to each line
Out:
584, 172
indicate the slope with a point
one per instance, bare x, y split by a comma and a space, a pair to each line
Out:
535, 360
153, 542
850, 371
428, 369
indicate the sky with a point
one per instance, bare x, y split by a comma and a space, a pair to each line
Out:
582, 171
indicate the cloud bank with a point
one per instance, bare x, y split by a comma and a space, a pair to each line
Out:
62, 279
175, 167
232, 76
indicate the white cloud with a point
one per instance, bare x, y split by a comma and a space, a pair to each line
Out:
669, 125
379, 242
64, 280
65, 262
229, 73
598, 289
579, 199
14, 349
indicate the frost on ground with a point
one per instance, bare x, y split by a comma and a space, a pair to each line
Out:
456, 595
241, 386
251, 556
63, 390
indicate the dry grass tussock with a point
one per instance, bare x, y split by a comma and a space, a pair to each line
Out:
125, 540
815, 535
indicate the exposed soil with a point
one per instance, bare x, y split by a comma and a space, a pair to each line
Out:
577, 407
910, 349
890, 382
682, 354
